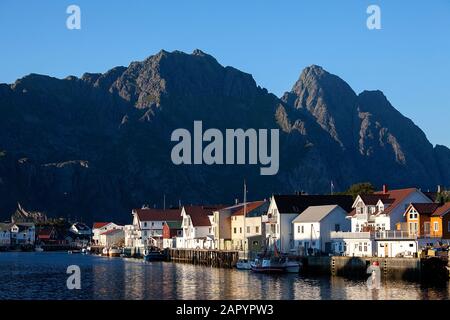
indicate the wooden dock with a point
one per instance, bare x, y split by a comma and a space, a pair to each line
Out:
212, 258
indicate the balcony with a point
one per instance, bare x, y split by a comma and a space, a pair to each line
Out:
351, 235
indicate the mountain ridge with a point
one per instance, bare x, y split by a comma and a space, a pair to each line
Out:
99, 145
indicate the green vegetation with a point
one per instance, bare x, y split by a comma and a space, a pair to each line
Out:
443, 196
359, 188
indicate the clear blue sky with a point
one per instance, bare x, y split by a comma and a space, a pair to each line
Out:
409, 59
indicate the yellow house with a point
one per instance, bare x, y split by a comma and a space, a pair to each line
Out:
248, 233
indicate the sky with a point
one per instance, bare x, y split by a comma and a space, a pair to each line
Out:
408, 58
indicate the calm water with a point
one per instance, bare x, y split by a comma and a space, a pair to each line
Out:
43, 276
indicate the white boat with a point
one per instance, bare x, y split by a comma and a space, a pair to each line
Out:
38, 249
114, 252
243, 264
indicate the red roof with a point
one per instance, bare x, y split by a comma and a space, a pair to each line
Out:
442, 210
110, 231
391, 197
397, 195
158, 214
250, 206
98, 225
45, 233
199, 214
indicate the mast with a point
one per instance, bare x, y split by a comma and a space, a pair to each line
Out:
245, 214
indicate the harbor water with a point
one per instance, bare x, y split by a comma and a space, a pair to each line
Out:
42, 275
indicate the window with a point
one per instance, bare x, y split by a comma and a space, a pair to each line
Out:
360, 246
436, 226
365, 246
298, 229
257, 229
240, 230
209, 230
153, 224
145, 224
426, 227
248, 229
383, 226
337, 227
234, 230
357, 228
303, 229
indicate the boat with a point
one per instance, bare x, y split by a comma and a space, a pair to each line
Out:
38, 249
73, 251
114, 252
292, 266
154, 255
268, 265
243, 264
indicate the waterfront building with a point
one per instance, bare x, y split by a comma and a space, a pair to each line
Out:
111, 238
148, 226
248, 233
283, 209
21, 215
171, 231
23, 233
5, 234
384, 209
197, 227
101, 227
313, 227
49, 235
430, 222
80, 229
221, 226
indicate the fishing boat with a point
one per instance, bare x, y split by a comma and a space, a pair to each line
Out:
268, 265
243, 264
114, 252
153, 254
38, 249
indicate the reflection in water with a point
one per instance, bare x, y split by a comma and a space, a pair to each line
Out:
43, 276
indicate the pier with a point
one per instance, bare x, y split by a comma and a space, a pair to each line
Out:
212, 258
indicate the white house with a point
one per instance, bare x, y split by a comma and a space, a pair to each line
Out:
23, 233
384, 209
283, 209
81, 229
101, 227
112, 237
5, 234
197, 227
148, 225
313, 227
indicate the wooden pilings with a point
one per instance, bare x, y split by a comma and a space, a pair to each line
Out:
213, 258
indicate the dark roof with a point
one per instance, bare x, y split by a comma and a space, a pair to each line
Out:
81, 226
199, 214
159, 214
442, 210
431, 195
425, 208
372, 199
174, 224
298, 203
253, 209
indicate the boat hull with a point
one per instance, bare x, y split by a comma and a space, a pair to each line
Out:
268, 269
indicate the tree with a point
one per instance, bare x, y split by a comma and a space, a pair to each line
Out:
359, 188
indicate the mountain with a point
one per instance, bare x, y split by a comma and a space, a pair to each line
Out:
97, 146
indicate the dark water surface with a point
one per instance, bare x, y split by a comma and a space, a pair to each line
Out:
43, 276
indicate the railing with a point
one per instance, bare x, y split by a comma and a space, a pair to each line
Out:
394, 234
351, 235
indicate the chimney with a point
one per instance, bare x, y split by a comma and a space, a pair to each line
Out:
439, 189
236, 201
385, 189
